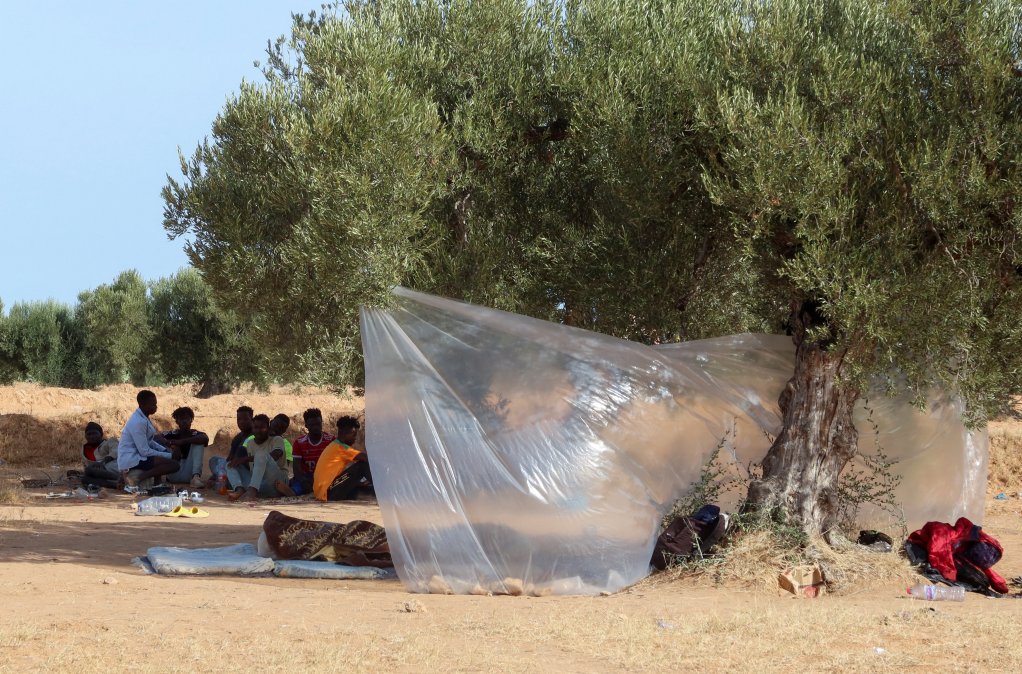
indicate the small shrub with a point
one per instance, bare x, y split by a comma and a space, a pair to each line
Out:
11, 492
869, 481
716, 479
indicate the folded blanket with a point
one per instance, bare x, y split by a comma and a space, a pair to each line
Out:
357, 543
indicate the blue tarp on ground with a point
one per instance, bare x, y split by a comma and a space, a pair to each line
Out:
243, 560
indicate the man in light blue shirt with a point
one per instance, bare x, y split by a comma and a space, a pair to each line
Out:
139, 449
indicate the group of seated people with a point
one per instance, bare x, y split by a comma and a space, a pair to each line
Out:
261, 461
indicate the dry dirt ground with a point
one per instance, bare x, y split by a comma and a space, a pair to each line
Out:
73, 601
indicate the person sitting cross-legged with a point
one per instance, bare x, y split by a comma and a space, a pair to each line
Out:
237, 456
278, 427
267, 478
191, 444
341, 468
99, 458
140, 455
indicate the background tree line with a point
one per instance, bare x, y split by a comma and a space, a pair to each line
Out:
167, 331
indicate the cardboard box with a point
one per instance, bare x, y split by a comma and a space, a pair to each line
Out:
803, 581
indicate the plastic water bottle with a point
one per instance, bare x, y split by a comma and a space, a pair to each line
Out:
157, 505
937, 592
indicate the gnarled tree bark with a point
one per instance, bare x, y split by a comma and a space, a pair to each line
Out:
818, 436
211, 387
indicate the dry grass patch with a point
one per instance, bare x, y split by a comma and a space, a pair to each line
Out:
66, 647
824, 635
568, 636
756, 558
11, 492
850, 568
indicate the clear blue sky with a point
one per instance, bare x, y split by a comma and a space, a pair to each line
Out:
96, 98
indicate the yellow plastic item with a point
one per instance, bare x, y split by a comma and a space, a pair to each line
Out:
194, 512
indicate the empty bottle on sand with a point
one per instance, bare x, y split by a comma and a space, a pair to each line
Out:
157, 505
937, 593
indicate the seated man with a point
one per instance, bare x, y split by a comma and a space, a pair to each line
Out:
267, 478
278, 427
307, 451
99, 458
341, 468
140, 455
191, 444
237, 456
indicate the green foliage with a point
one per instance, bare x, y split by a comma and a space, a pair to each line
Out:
37, 337
194, 340
655, 171
117, 336
869, 164
309, 200
129, 330
9, 370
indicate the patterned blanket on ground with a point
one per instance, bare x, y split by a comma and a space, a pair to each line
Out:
357, 543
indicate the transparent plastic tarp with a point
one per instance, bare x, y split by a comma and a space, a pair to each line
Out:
514, 455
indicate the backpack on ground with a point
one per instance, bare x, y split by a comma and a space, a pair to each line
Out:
689, 536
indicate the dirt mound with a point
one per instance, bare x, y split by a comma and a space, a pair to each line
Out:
1005, 456
42, 426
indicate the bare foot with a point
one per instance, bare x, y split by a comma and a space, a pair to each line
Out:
283, 489
236, 494
248, 495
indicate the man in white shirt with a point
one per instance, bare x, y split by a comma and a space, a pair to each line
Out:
139, 448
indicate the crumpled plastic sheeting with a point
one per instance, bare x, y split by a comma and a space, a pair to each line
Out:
519, 456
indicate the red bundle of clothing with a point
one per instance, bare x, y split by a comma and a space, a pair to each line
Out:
964, 546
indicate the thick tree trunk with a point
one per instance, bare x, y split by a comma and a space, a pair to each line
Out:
212, 387
817, 438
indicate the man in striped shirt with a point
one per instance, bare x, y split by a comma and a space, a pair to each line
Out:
307, 450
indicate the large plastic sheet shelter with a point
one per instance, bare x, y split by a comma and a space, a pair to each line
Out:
515, 455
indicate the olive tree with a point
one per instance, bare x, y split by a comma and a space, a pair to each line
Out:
193, 339
845, 171
115, 324
37, 343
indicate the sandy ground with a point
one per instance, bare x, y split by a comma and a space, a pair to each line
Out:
72, 601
